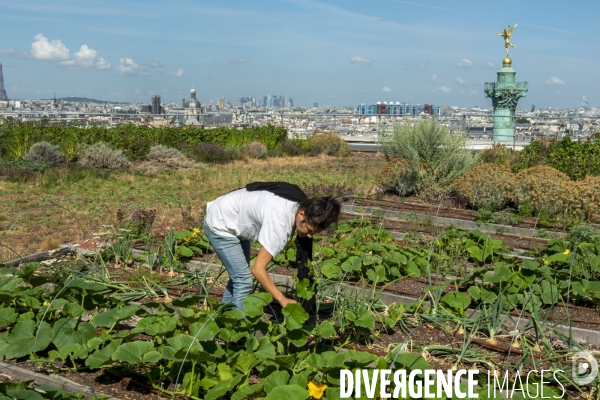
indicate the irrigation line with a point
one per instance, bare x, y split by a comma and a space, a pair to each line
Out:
56, 363
13, 250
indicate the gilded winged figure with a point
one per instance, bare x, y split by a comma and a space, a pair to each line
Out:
506, 35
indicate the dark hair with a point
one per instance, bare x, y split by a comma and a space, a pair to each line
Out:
321, 211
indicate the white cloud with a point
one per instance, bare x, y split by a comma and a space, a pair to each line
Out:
434, 78
178, 73
44, 49
360, 60
554, 81
460, 81
156, 63
55, 50
489, 64
6, 52
386, 89
238, 60
473, 91
444, 89
465, 63
86, 58
127, 66
421, 66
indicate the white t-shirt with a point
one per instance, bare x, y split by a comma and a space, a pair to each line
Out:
258, 216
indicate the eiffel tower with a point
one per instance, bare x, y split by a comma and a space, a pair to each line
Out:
3, 95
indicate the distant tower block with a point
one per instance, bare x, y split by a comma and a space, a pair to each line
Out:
3, 95
584, 103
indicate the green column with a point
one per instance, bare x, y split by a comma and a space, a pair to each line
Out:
505, 93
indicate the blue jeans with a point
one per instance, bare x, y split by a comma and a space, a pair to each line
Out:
235, 256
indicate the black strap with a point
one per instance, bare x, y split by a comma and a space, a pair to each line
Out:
288, 191
303, 256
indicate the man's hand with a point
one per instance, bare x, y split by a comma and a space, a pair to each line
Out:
285, 301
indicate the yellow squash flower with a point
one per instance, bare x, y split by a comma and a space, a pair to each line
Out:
316, 389
566, 251
195, 232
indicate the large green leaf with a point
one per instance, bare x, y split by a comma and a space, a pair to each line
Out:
332, 359
66, 332
101, 358
331, 269
248, 392
457, 300
255, 303
222, 388
244, 362
7, 316
108, 318
154, 326
204, 331
362, 318
265, 348
305, 290
275, 379
288, 392
326, 329
21, 339
295, 316
133, 352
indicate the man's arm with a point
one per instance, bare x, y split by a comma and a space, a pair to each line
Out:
259, 270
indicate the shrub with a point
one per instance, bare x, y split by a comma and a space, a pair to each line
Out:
102, 156
210, 153
586, 202
486, 186
577, 159
437, 155
289, 147
20, 170
545, 188
399, 176
254, 150
329, 144
46, 153
583, 233
159, 152
321, 190
500, 154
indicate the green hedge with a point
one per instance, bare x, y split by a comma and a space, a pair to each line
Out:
576, 159
134, 141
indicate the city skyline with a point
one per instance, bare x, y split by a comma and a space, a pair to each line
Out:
334, 53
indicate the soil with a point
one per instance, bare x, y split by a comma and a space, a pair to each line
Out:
448, 210
111, 382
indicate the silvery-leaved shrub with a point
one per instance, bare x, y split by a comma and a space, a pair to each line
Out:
398, 176
438, 155
102, 156
486, 186
255, 150
45, 152
159, 152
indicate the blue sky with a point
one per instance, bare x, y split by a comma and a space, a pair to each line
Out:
335, 52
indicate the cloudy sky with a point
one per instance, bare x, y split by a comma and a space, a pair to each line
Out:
337, 52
